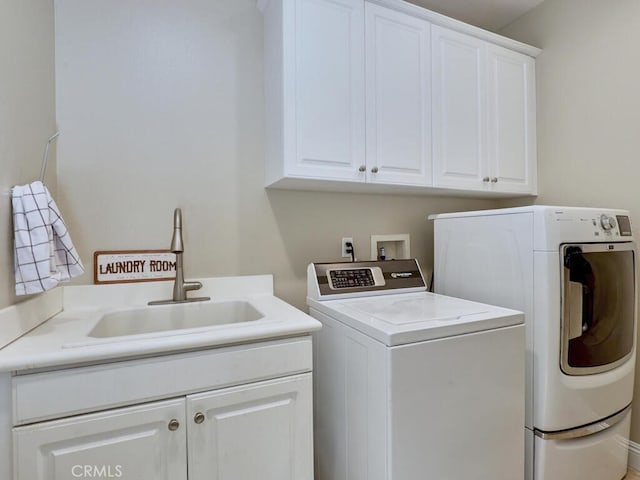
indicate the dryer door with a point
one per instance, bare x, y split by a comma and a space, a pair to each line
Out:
598, 306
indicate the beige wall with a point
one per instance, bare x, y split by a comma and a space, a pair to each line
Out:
588, 107
27, 112
160, 104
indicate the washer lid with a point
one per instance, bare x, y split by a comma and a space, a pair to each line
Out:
430, 308
412, 317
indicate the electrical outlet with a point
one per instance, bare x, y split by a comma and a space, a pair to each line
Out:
346, 240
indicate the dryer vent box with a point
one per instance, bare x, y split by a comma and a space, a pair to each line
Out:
396, 246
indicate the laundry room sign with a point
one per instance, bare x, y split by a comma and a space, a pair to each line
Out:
133, 266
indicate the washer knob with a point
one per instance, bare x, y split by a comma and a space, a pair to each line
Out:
607, 222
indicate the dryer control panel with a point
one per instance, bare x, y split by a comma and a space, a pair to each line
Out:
329, 280
616, 224
572, 224
624, 225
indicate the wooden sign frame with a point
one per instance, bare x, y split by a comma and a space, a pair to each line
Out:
129, 266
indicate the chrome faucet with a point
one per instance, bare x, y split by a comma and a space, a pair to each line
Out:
180, 287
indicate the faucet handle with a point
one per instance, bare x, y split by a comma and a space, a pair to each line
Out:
177, 245
187, 286
177, 218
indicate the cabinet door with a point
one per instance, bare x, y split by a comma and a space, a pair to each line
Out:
324, 126
459, 110
512, 118
398, 92
132, 443
261, 431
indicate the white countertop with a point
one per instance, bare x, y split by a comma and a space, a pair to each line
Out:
64, 340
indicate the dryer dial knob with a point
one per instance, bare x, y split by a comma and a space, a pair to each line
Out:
607, 222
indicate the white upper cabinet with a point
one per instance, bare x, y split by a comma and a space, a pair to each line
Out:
459, 109
398, 91
383, 95
314, 71
512, 121
484, 115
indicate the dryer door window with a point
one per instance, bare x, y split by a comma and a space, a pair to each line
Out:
598, 307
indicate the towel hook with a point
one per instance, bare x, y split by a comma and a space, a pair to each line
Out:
45, 157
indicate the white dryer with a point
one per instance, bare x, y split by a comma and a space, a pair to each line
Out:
409, 384
573, 272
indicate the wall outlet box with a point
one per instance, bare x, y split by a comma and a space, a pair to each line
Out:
345, 240
396, 246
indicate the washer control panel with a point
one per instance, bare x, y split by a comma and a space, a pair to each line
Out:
328, 280
355, 277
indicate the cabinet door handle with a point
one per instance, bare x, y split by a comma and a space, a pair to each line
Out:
486, 179
374, 170
198, 417
174, 425
362, 168
494, 180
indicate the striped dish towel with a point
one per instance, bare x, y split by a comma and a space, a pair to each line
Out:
44, 254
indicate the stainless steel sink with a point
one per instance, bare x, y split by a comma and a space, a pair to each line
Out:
181, 316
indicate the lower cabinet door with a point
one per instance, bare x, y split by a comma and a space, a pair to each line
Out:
146, 442
261, 431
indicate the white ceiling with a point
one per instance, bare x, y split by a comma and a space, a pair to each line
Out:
488, 14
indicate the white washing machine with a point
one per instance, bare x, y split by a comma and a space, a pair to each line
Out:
572, 271
412, 385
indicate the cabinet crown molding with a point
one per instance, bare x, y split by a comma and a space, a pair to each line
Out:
457, 25
444, 21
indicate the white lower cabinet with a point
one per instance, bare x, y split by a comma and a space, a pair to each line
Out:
145, 442
259, 431
256, 432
